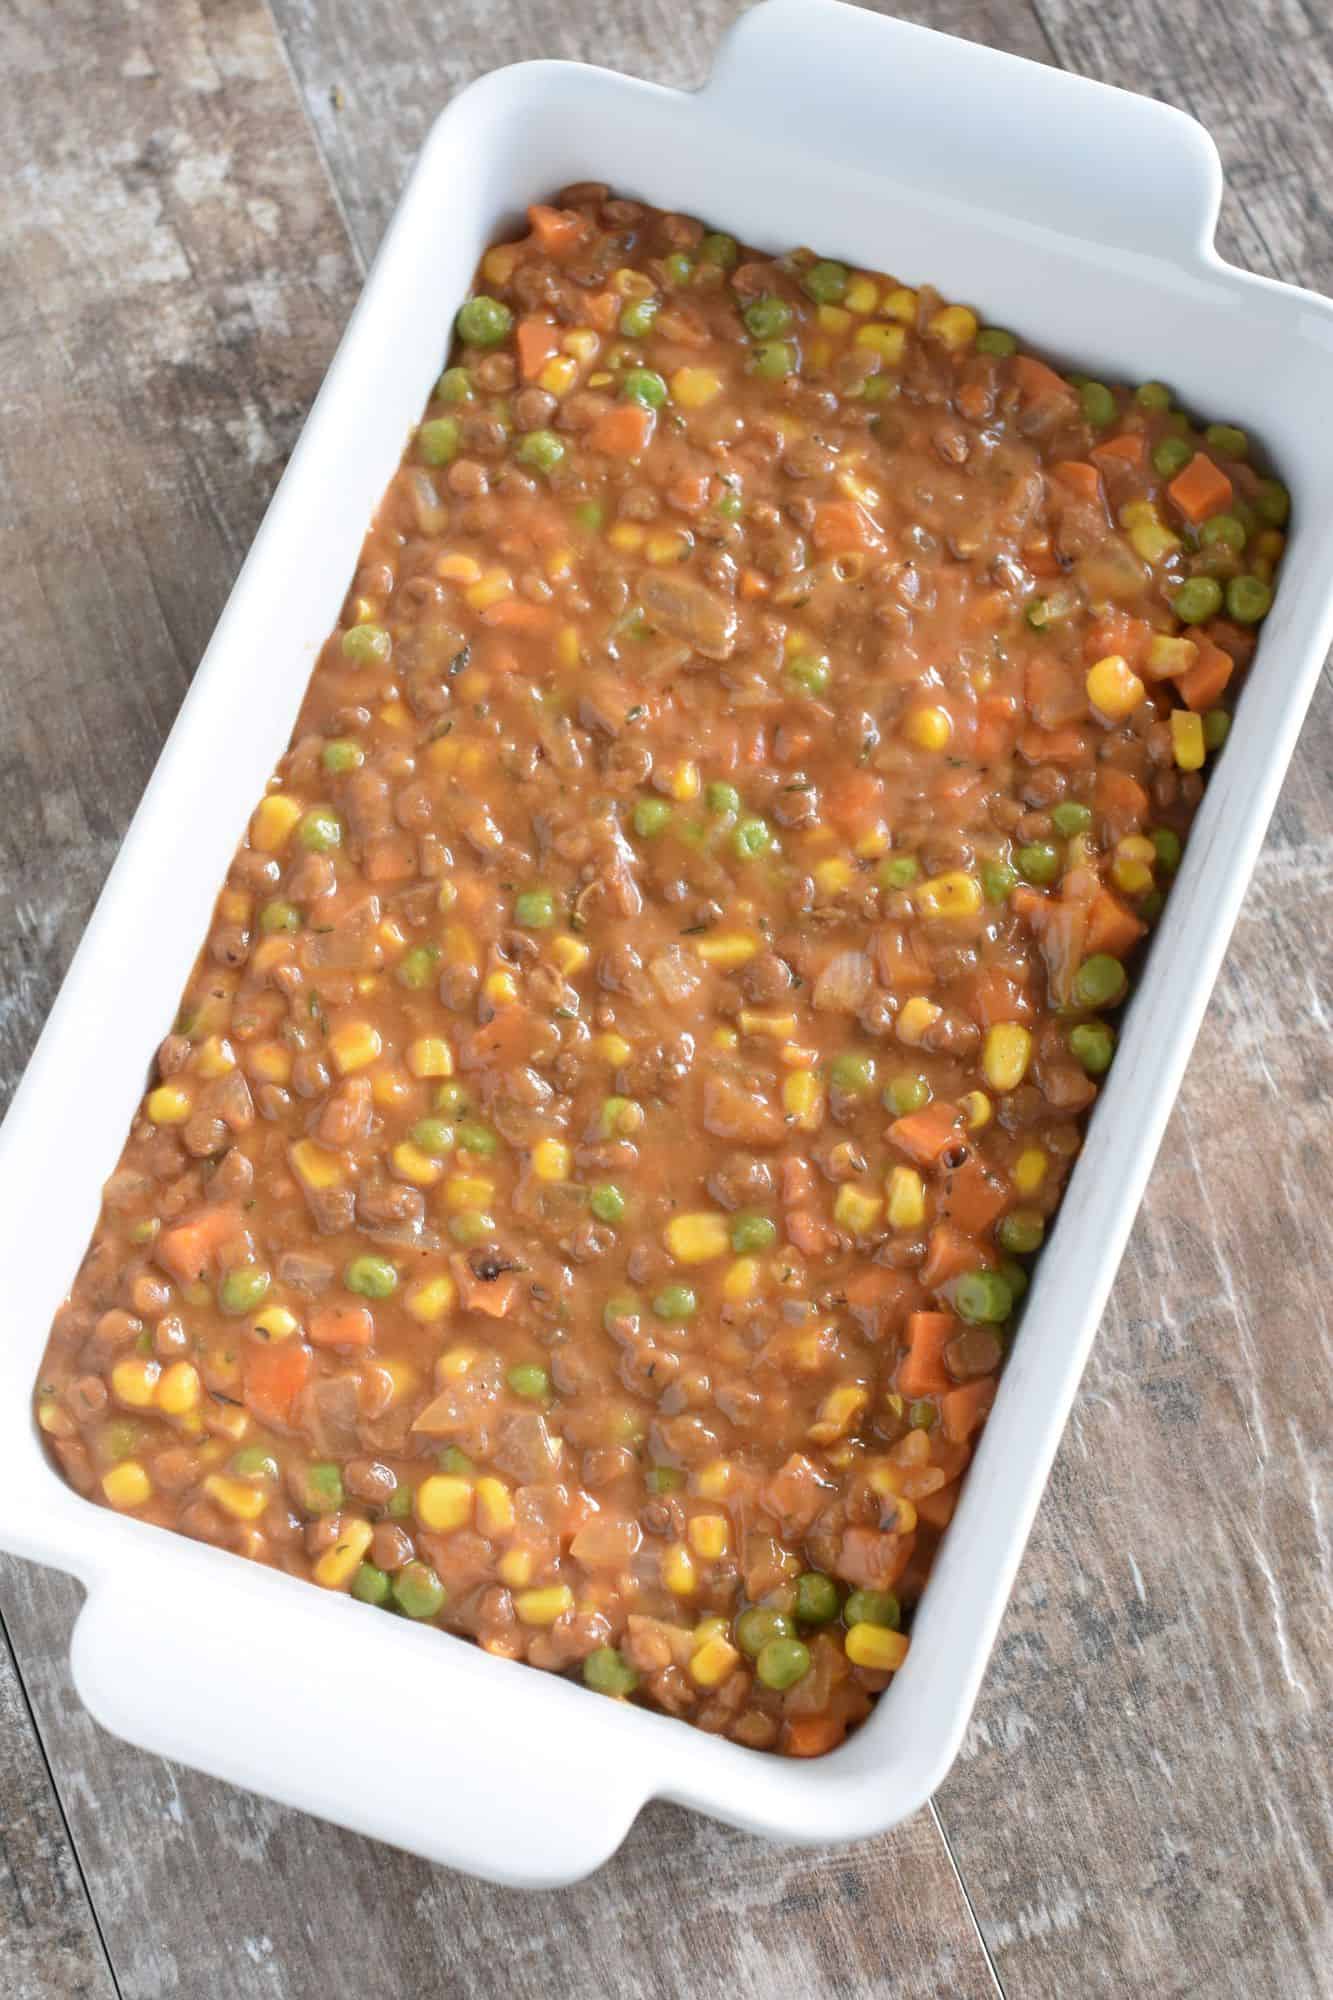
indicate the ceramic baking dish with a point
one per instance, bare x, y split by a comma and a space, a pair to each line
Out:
1082, 217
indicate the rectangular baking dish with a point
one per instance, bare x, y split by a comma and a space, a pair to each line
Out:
1082, 217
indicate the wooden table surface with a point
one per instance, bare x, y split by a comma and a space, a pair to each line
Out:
192, 191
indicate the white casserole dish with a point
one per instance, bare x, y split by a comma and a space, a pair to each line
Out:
1074, 213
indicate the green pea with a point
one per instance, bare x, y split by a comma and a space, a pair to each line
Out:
751, 838
530, 1381
854, 1072
981, 1297
120, 1440
454, 386
825, 282
1229, 439
644, 385
904, 1094
371, 1585
771, 360
881, 389
1101, 981
816, 1598
399, 1503
621, 1313
1272, 502
1153, 396
1171, 456
809, 674
638, 316
923, 1415
277, 917
320, 831
534, 909
898, 871
253, 1462
1021, 1232
607, 1202
541, 449
417, 1590
678, 267
590, 514
1092, 1045
433, 1136
1199, 598
474, 1137
1070, 818
437, 440
342, 754
367, 645
1017, 1280
484, 322
731, 506
1225, 531
1167, 844
782, 1662
676, 1302
760, 1626
995, 340
323, 1488
719, 248
1098, 404
1037, 612
766, 317
451, 1096
873, 1607
651, 817
451, 1459
1178, 425
608, 1672
1038, 861
750, 1232
665, 1479
1216, 728
371, 1277
723, 799
416, 968
243, 1289
1249, 599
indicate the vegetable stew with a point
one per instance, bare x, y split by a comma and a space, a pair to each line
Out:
588, 1192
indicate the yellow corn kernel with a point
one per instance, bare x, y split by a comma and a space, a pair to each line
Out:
886, 341
669, 545
558, 564
515, 1568
444, 1502
727, 948
339, 1564
928, 728
582, 342
708, 1536
900, 304
875, 1646
458, 945
856, 1210
169, 1104
1114, 689
411, 1164
404, 1379
455, 1364
872, 845
803, 1099
570, 954
234, 906
134, 1381
495, 1506
432, 1299
180, 1389
715, 1480
1136, 847
430, 1055
861, 295
916, 1017
821, 352
685, 781
551, 1160
463, 1191
396, 715
697, 1239
834, 875
270, 951
907, 1198
977, 1108
713, 1662
1030, 1169
1187, 744
632, 284
726, 1038
456, 567
270, 1062
559, 375
354, 1046
498, 263
838, 1412
543, 1607
626, 536
237, 1497
691, 388
613, 1048
274, 819
127, 1485
956, 326
953, 895
1132, 878
678, 1571
567, 646
1169, 656
1149, 536
214, 1057
741, 1280
317, 1167
1005, 1055
491, 588
275, 1323
777, 1027
833, 319
56, 1422
500, 988
796, 1055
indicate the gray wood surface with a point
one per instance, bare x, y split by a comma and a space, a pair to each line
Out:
1142, 1804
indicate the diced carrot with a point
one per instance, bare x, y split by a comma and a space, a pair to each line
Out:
1238, 640
272, 1377
187, 1249
970, 1199
515, 614
1127, 449
964, 1410
504, 1041
1118, 632
997, 722
557, 230
342, 1326
812, 1735
1121, 801
1111, 927
798, 1180
1201, 489
924, 1135
1203, 686
689, 493
854, 802
1037, 383
807, 1233
841, 524
390, 857
1079, 477
949, 1253
973, 402
921, 1372
936, 1510
493, 1296
997, 996
536, 340
1068, 745
623, 431
902, 959
1054, 690
1040, 557
985, 610
754, 584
